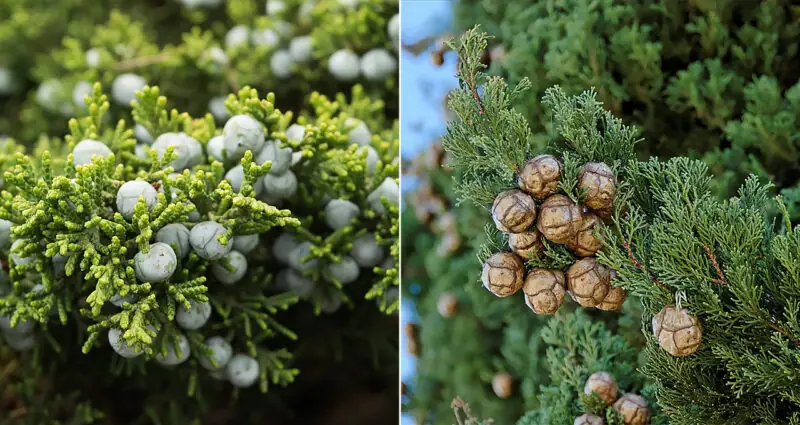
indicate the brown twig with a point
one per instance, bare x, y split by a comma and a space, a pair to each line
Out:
710, 255
640, 266
784, 332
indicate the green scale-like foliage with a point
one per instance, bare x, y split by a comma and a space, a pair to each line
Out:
711, 79
84, 250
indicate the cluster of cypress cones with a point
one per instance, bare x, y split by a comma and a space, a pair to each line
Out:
560, 221
631, 407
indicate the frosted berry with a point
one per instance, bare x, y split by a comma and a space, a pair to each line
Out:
242, 133
298, 258
23, 327
93, 57
245, 243
597, 179
299, 284
588, 281
301, 48
366, 251
513, 211
447, 304
281, 64
586, 243
526, 244
217, 56
604, 385
175, 235
275, 7
544, 290
677, 331
51, 96
340, 213
236, 177
231, 268
218, 109
119, 301
21, 343
142, 135
5, 233
295, 132
503, 274
393, 29
560, 219
221, 352
389, 190
129, 193
589, 419
156, 265
283, 246
360, 134
194, 317
266, 37
378, 64
281, 157
372, 159
204, 238
175, 355
119, 344
7, 83
16, 256
281, 186
344, 65
540, 176
237, 36
80, 92
502, 385
242, 371
633, 409
345, 271
125, 86
214, 148
184, 146
85, 149
331, 303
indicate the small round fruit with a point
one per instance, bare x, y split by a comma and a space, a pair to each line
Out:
175, 355
296, 132
378, 64
544, 290
586, 243
345, 271
540, 176
218, 109
503, 274
340, 213
237, 36
297, 258
614, 299
235, 176
282, 186
85, 149
331, 303
393, 29
142, 135
513, 211
245, 243
23, 327
366, 251
597, 179
589, 419
344, 65
301, 48
281, 157
677, 331
183, 145
215, 146
588, 281
175, 235
80, 92
266, 37
299, 284
156, 265
283, 246
92, 57
129, 193
17, 256
372, 159
125, 86
447, 304
633, 409
204, 238
242, 370
119, 301
120, 345
502, 385
194, 317
389, 190
221, 353
21, 343
525, 244
604, 385
560, 219
231, 268
5, 233
360, 134
242, 133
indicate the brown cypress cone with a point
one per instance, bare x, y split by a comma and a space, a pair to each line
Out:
503, 274
544, 290
423, 213
449, 244
498, 53
513, 211
540, 176
447, 222
503, 385
437, 58
525, 244
598, 180
678, 332
633, 409
447, 304
588, 281
615, 298
589, 419
604, 385
433, 157
559, 219
586, 243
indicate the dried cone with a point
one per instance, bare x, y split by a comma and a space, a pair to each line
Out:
449, 244
614, 299
597, 179
633, 409
447, 304
412, 347
447, 222
498, 53
540, 175
588, 281
604, 385
525, 244
437, 57
586, 243
411, 330
503, 384
559, 219
433, 157
503, 274
589, 419
544, 290
513, 211
678, 332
